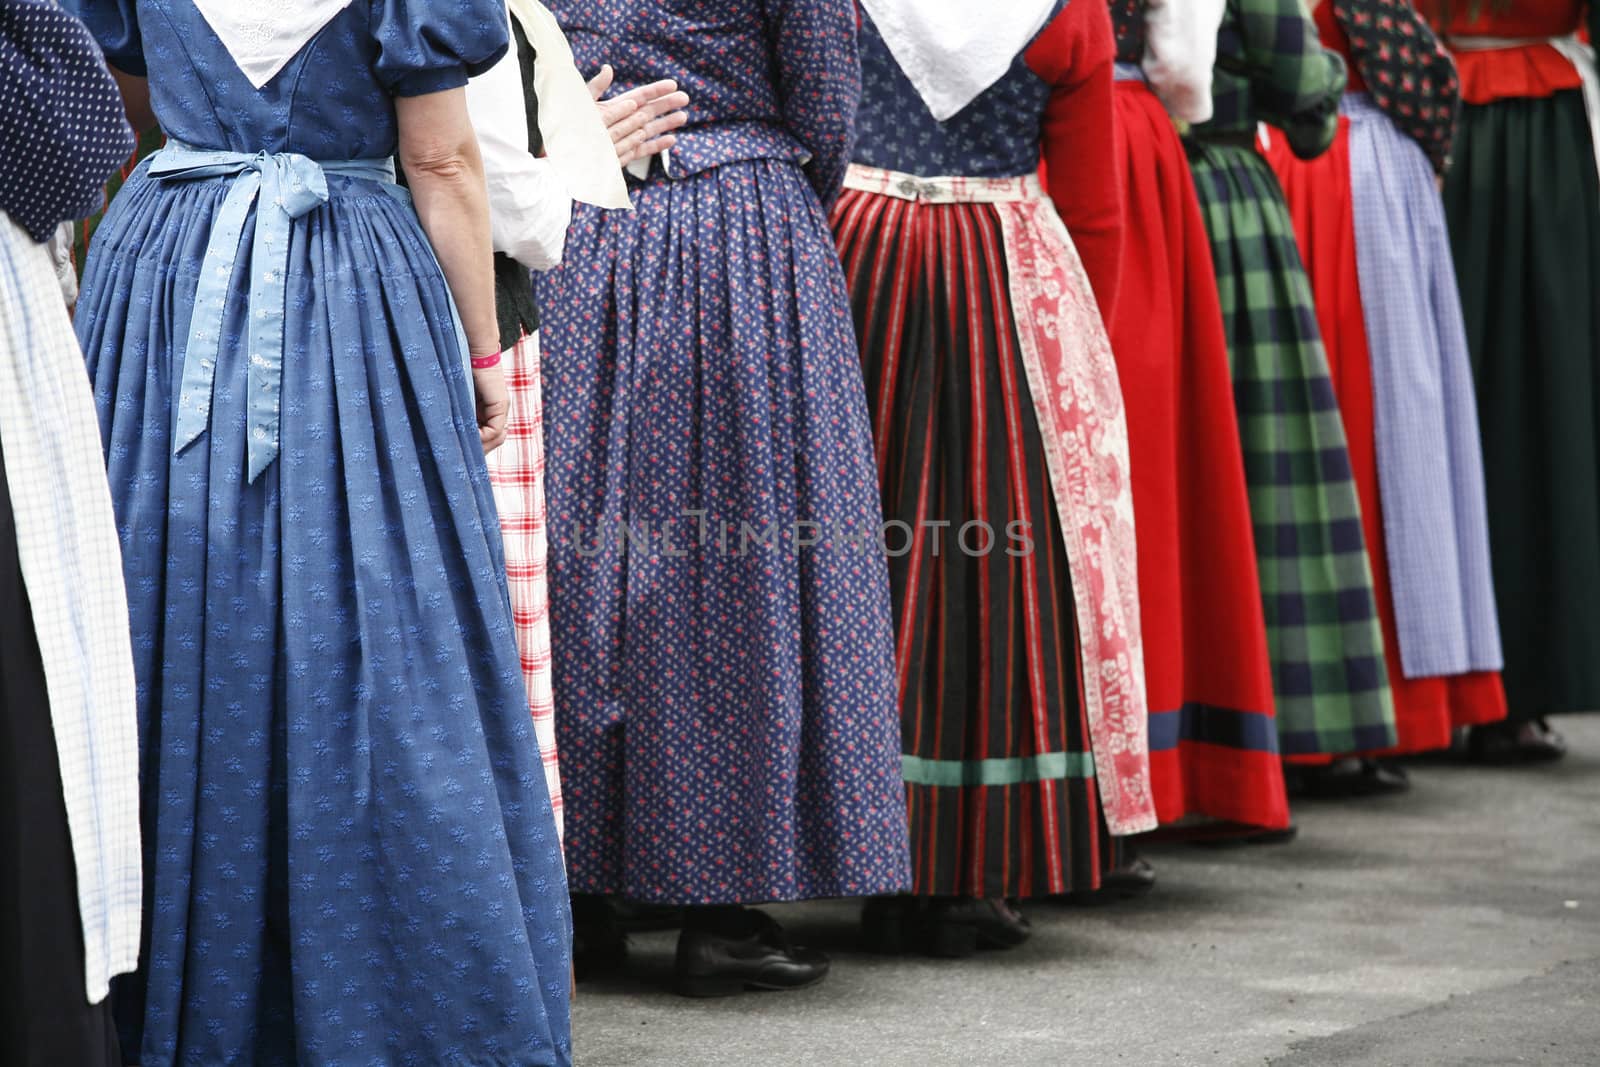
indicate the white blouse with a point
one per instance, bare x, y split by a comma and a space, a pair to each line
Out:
529, 208
530, 199
1180, 50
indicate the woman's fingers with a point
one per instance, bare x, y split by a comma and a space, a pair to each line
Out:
651, 139
628, 147
494, 404
492, 432
663, 104
660, 124
652, 148
629, 133
656, 137
642, 119
622, 118
672, 104
646, 93
601, 83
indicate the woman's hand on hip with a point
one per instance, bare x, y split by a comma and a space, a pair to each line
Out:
641, 121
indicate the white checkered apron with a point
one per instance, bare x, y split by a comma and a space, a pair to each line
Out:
72, 565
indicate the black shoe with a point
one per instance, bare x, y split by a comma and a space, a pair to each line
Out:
1236, 835
956, 927
1281, 836
599, 946
889, 925
717, 964
1346, 778
1515, 742
637, 917
1135, 878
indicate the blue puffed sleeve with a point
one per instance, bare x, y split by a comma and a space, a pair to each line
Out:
428, 46
115, 26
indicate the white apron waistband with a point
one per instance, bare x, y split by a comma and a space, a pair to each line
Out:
945, 190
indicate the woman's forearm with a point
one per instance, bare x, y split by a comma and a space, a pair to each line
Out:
453, 204
445, 171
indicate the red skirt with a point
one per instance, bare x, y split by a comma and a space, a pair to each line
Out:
1427, 710
1213, 741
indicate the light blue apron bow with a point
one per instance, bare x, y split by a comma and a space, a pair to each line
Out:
284, 186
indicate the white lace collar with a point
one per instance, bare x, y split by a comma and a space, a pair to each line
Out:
263, 35
953, 50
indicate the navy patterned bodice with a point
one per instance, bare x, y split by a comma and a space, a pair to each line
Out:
774, 79
996, 136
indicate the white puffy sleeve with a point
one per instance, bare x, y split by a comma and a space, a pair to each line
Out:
529, 209
1180, 50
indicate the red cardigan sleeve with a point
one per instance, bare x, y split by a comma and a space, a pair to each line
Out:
1075, 54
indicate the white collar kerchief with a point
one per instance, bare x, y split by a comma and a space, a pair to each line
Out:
954, 50
263, 35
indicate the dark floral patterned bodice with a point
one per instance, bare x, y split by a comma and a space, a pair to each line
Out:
996, 136
1127, 19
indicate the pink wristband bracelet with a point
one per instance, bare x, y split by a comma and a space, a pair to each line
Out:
485, 362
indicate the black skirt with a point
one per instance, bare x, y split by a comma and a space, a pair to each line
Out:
45, 1017
1524, 213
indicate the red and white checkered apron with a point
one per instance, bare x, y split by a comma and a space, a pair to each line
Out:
516, 470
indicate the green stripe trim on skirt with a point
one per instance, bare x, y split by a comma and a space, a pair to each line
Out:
1049, 767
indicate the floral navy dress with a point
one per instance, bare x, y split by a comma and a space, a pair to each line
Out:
724, 662
349, 846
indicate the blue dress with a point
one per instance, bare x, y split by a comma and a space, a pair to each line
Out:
725, 695
349, 847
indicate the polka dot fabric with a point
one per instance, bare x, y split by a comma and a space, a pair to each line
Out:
1403, 65
60, 118
350, 851
1127, 20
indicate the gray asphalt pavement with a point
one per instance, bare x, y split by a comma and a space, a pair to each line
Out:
1457, 924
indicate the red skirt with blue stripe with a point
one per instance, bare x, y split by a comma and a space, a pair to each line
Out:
1213, 740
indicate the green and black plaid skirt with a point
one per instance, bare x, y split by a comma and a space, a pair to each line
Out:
1316, 581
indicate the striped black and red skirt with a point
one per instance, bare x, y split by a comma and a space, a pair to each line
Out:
998, 758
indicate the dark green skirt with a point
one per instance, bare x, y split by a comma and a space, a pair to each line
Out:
1328, 666
1524, 208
